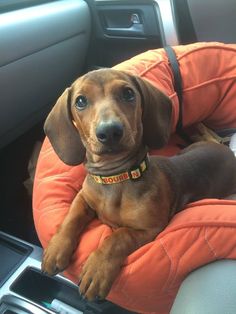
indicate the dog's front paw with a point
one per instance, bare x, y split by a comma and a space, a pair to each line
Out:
57, 255
97, 276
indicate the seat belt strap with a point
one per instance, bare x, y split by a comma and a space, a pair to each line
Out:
178, 89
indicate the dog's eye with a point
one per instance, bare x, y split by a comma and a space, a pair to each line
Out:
128, 94
81, 102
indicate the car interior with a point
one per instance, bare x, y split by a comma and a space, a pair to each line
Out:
45, 46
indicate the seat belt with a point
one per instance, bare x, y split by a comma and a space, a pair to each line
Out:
178, 89
224, 135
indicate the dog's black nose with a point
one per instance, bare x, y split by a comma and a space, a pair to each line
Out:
109, 132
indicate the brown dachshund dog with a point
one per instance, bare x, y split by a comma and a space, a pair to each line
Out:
108, 119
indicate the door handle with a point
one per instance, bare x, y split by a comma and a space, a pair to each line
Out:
135, 27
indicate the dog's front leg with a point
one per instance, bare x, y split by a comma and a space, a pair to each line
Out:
104, 264
59, 251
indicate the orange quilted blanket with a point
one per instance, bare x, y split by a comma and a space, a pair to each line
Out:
203, 232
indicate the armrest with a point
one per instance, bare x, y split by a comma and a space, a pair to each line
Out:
208, 290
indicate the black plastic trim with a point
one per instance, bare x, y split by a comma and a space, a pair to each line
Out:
184, 23
21, 249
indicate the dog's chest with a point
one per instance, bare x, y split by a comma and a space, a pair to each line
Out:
111, 206
120, 205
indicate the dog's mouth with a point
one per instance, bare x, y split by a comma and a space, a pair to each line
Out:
108, 150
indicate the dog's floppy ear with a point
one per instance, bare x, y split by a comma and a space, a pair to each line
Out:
63, 135
157, 113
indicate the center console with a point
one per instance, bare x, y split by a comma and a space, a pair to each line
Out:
24, 289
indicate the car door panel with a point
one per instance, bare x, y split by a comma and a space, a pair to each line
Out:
43, 49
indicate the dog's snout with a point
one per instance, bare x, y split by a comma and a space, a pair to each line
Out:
109, 132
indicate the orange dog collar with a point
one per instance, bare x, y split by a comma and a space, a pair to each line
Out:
133, 174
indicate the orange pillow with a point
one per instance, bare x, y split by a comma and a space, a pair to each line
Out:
208, 78
202, 233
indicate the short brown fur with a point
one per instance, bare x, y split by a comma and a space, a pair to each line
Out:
137, 209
